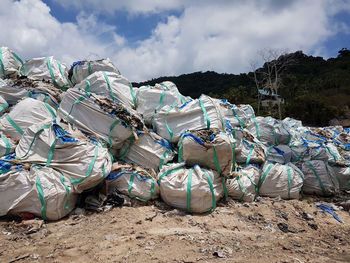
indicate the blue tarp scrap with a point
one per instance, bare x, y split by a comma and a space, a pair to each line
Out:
325, 208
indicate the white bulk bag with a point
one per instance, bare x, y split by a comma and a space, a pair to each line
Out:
274, 134
136, 183
24, 114
238, 116
281, 180
244, 184
49, 69
99, 116
334, 156
3, 104
10, 63
305, 151
192, 189
319, 178
249, 152
82, 69
208, 148
110, 85
41, 191
343, 176
151, 99
83, 162
149, 151
198, 114
279, 154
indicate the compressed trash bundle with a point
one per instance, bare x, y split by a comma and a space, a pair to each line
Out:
82, 69
243, 184
10, 63
7, 145
149, 151
151, 99
249, 150
110, 85
136, 182
279, 154
48, 69
342, 174
84, 162
319, 178
281, 180
238, 116
39, 190
171, 122
24, 114
193, 189
99, 116
210, 149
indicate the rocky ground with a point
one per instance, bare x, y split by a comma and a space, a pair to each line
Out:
269, 230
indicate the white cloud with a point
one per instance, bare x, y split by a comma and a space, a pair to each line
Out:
208, 35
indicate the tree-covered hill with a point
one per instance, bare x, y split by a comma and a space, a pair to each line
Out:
315, 90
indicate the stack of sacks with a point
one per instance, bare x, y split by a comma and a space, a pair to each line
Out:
193, 189
150, 99
82, 69
211, 149
23, 115
281, 180
110, 85
82, 161
170, 122
136, 182
10, 63
148, 151
48, 69
99, 116
35, 189
243, 184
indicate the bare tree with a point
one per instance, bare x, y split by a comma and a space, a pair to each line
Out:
269, 76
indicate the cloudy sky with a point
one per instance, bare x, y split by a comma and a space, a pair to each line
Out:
150, 38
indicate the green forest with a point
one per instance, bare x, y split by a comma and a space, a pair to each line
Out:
315, 90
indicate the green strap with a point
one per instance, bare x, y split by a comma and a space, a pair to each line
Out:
189, 187
317, 176
243, 190
179, 157
74, 73
169, 172
275, 135
66, 206
217, 165
329, 175
264, 176
289, 181
205, 113
133, 95
53, 114
104, 170
163, 159
131, 183
41, 197
181, 97
169, 130
332, 153
50, 155
289, 135
257, 128
238, 118
88, 84
7, 143
110, 131
211, 191
34, 138
249, 155
108, 84
4, 106
51, 73
127, 148
65, 87
225, 189
160, 101
91, 166
2, 64
19, 130
89, 68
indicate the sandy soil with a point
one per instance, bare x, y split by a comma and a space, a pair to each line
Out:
234, 232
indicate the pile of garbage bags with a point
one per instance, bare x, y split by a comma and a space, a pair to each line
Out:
66, 131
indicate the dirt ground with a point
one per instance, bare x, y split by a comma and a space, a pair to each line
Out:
234, 232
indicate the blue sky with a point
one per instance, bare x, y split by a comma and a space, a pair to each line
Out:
150, 38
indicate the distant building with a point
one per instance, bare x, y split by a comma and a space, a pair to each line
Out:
269, 99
